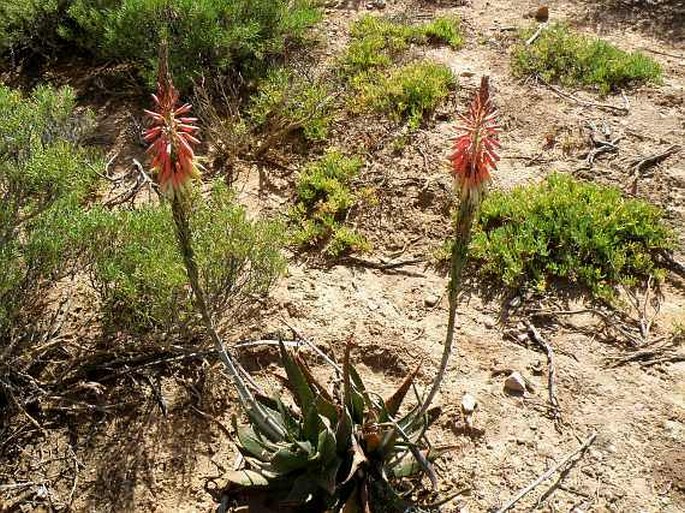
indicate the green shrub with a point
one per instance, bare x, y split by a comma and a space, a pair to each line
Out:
442, 30
560, 55
377, 41
138, 271
25, 25
45, 178
562, 228
408, 92
204, 35
324, 199
286, 99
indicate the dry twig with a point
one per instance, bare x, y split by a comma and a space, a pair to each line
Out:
585, 103
570, 459
537, 33
643, 163
535, 336
381, 266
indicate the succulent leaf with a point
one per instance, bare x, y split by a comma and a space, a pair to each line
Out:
393, 403
297, 381
247, 478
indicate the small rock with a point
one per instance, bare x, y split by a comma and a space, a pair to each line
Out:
515, 383
541, 14
489, 323
537, 368
431, 300
468, 404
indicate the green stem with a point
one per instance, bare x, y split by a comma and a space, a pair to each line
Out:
184, 236
462, 239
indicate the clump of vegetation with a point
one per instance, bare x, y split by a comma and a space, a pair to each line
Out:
202, 35
377, 41
140, 276
407, 92
566, 229
25, 26
563, 56
334, 452
288, 101
324, 199
205, 36
46, 177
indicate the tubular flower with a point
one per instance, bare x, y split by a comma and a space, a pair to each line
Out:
474, 147
171, 138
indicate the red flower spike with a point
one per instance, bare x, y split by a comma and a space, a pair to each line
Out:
474, 154
171, 137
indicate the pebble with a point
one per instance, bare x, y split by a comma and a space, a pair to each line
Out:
468, 404
489, 323
515, 383
431, 300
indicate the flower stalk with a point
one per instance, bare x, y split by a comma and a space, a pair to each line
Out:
473, 158
175, 167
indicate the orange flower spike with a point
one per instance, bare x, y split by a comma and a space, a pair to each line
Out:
170, 138
474, 150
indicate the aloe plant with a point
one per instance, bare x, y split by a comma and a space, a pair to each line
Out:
338, 453
474, 157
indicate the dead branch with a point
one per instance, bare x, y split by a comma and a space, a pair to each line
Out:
570, 459
537, 33
668, 260
658, 52
584, 103
643, 163
535, 336
612, 320
381, 266
665, 352
141, 180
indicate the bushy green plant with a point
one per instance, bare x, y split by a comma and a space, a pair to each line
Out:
139, 273
377, 41
203, 35
324, 199
442, 30
286, 99
45, 178
27, 25
563, 56
566, 229
407, 92
336, 453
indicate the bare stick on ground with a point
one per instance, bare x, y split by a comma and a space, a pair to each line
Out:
564, 465
643, 163
535, 336
585, 103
